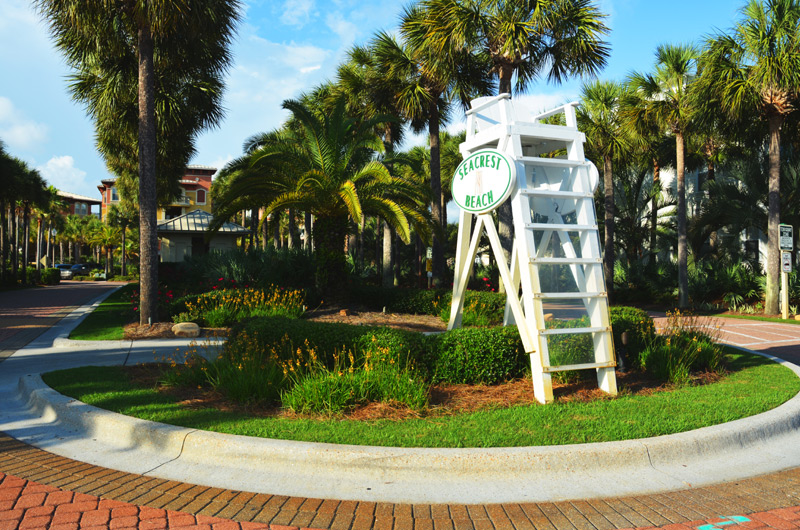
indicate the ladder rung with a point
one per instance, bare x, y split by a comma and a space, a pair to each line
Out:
561, 227
553, 162
566, 261
556, 194
570, 295
584, 366
571, 331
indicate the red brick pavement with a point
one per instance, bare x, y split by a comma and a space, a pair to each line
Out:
28, 505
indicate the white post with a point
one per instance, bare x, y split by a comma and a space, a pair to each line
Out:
785, 295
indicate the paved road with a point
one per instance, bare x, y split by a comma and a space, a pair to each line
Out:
27, 313
41, 490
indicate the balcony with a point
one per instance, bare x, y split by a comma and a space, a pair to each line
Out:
181, 201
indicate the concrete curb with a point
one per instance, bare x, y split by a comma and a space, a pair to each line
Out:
386, 474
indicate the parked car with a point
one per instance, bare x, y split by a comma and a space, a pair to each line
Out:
66, 270
79, 269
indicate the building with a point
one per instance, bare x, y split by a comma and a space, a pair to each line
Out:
195, 194
78, 204
187, 235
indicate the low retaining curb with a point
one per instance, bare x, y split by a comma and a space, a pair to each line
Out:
391, 474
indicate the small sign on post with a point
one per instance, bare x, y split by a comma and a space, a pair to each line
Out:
786, 237
786, 242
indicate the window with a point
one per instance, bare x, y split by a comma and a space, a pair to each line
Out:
114, 194
201, 196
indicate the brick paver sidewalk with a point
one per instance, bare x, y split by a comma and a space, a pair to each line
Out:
42, 490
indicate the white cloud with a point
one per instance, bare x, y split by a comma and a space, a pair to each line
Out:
18, 131
297, 12
310, 69
344, 29
60, 171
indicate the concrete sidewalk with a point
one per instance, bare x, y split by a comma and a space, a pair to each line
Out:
568, 505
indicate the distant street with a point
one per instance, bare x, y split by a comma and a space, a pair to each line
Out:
27, 313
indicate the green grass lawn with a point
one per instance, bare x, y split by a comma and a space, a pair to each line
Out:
107, 320
754, 385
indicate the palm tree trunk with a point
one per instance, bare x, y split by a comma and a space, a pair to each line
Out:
436, 188
774, 216
148, 241
505, 217
608, 246
47, 244
683, 250
292, 230
329, 238
39, 244
307, 222
124, 265
3, 242
654, 207
386, 271
15, 245
361, 242
26, 226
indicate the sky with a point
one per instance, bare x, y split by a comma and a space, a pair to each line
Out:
282, 48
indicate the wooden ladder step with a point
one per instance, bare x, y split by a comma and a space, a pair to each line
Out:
566, 261
562, 296
561, 227
584, 366
556, 194
573, 331
552, 162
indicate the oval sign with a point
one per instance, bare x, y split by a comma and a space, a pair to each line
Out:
483, 181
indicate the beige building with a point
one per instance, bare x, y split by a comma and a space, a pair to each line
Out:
188, 235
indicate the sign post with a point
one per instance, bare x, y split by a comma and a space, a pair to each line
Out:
786, 244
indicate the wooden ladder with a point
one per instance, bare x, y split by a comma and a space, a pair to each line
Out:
556, 236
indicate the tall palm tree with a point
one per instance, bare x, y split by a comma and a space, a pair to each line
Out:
324, 164
132, 41
666, 96
756, 70
369, 92
122, 216
431, 80
521, 42
607, 137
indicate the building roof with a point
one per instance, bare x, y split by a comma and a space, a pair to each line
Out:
76, 197
197, 166
197, 221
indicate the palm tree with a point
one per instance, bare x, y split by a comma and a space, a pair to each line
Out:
122, 216
429, 80
324, 164
127, 43
607, 137
666, 97
756, 70
523, 39
369, 92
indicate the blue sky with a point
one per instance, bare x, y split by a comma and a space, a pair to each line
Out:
284, 47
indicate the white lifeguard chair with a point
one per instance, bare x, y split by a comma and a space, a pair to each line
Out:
556, 259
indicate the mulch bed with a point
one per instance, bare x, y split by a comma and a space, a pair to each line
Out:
444, 399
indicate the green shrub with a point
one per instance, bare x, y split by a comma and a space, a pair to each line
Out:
481, 308
478, 355
640, 328
328, 338
687, 344
227, 306
374, 380
51, 276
